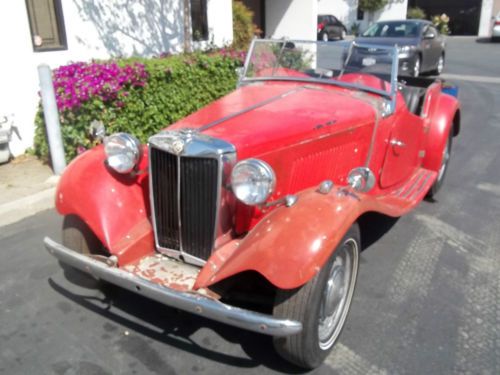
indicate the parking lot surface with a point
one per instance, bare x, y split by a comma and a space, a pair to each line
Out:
426, 300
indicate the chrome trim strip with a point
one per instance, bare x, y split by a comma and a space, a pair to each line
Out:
191, 302
248, 109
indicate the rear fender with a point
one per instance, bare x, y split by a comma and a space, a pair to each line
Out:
115, 207
444, 119
291, 244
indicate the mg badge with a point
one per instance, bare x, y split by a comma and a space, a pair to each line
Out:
178, 146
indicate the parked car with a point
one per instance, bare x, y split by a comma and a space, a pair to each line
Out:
495, 32
247, 212
329, 27
421, 46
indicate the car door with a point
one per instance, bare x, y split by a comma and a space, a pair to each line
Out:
431, 47
403, 146
337, 29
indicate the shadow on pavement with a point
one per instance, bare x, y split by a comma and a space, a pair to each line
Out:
174, 327
486, 40
373, 227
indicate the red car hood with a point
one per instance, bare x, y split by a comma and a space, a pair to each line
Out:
266, 116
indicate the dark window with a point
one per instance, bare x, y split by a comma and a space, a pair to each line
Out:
360, 14
46, 25
199, 23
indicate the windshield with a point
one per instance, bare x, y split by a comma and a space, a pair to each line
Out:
366, 67
393, 29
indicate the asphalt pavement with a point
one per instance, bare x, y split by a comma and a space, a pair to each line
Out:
426, 300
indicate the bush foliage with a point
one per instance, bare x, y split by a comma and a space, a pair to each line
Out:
138, 96
243, 27
372, 5
416, 13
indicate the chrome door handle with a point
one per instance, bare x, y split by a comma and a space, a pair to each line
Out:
397, 143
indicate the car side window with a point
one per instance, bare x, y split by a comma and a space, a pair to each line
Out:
334, 20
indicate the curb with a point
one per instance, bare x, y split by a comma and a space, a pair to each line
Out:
21, 208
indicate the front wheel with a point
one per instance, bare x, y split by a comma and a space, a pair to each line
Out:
324, 36
321, 305
443, 169
343, 34
439, 66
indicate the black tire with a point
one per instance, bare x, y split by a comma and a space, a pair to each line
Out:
440, 66
444, 168
306, 303
324, 36
77, 236
343, 34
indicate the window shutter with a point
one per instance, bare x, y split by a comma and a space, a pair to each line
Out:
46, 24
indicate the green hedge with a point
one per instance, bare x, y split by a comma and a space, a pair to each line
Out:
173, 87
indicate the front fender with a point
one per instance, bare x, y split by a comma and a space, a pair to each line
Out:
441, 123
291, 244
115, 207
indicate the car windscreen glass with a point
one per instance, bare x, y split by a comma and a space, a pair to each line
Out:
365, 67
392, 30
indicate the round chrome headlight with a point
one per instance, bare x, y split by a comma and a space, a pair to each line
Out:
123, 152
252, 181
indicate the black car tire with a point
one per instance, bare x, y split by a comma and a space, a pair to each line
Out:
77, 236
324, 36
343, 34
440, 66
443, 169
335, 284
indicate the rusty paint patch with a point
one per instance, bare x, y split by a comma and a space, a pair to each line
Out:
169, 273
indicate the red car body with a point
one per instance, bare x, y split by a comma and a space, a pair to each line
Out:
309, 133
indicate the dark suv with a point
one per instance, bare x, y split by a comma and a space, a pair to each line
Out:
329, 27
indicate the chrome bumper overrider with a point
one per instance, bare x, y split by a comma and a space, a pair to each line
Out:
191, 302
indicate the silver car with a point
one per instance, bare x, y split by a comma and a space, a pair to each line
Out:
495, 32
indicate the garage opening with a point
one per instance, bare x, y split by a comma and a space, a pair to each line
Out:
464, 14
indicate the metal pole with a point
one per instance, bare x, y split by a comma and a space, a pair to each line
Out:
51, 119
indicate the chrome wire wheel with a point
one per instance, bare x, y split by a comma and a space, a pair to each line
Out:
440, 65
337, 294
445, 161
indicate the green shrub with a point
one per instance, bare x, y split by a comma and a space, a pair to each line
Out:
166, 90
416, 13
372, 5
243, 27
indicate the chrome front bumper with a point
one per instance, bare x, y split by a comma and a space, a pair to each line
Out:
190, 302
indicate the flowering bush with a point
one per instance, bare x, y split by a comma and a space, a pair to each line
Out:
138, 96
441, 23
76, 83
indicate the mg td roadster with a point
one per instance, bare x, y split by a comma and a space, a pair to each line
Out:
246, 212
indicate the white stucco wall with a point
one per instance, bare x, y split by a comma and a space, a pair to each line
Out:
94, 30
294, 19
346, 11
486, 22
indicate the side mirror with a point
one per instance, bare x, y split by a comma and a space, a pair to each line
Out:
429, 36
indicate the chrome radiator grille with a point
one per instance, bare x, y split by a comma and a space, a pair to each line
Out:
185, 199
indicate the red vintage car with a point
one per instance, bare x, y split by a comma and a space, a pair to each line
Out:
247, 211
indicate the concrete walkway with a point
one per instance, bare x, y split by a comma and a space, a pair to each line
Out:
27, 186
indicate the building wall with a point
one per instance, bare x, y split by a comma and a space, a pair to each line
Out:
485, 19
346, 11
294, 19
94, 30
